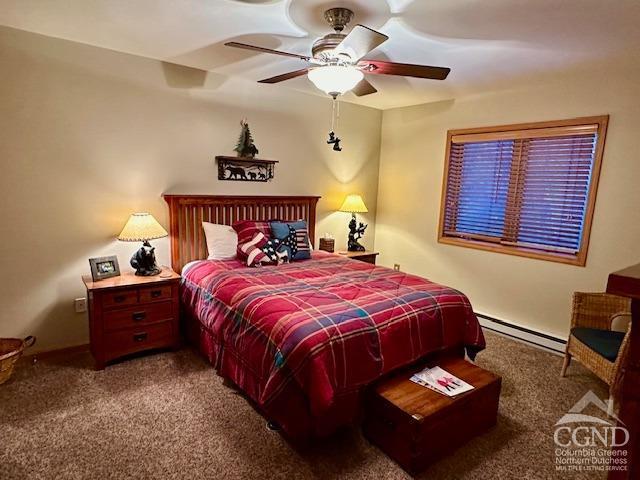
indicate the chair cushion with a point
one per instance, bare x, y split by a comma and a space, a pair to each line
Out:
604, 342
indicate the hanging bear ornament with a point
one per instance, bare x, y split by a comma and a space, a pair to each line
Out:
335, 141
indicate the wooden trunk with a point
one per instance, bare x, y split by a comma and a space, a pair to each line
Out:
416, 426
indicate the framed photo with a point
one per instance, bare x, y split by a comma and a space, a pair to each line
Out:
104, 267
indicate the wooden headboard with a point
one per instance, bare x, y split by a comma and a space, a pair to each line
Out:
187, 212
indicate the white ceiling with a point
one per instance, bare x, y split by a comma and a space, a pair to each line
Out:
485, 42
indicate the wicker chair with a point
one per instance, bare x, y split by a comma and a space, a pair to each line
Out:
592, 341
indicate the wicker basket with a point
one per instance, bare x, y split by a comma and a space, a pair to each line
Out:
10, 351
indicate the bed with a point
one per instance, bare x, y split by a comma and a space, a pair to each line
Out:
303, 340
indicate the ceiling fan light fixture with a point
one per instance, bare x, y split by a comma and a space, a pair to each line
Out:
335, 79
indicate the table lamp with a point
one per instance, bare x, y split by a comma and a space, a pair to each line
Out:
142, 227
353, 204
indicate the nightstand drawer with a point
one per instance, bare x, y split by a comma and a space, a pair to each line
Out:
140, 338
119, 298
136, 316
366, 256
155, 294
367, 259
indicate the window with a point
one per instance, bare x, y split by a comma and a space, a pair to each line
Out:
526, 190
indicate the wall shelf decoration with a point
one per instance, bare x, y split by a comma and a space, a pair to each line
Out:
243, 169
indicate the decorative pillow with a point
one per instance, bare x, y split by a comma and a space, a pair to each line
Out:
273, 249
222, 241
247, 229
252, 250
293, 234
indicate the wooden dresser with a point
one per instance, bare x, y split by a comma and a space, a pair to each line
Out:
626, 283
129, 314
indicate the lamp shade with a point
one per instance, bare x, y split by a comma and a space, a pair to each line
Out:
335, 79
353, 204
141, 227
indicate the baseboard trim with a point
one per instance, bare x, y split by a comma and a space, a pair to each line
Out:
518, 332
55, 353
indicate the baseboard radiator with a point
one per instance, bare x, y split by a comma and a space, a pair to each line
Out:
518, 332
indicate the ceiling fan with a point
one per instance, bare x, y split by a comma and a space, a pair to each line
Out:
336, 65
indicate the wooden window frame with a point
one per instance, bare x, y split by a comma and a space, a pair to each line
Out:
570, 126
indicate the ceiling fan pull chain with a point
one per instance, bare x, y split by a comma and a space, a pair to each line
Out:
335, 114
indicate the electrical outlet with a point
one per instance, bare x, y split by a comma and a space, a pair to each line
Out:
80, 305
396, 267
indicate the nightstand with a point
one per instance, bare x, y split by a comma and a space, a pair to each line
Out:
367, 256
129, 314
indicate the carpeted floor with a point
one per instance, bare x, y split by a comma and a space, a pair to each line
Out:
168, 416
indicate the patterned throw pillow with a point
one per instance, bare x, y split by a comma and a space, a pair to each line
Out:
273, 249
246, 230
300, 240
290, 242
253, 252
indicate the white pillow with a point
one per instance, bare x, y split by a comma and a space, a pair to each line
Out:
222, 241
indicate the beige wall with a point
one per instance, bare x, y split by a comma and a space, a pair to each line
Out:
528, 292
88, 136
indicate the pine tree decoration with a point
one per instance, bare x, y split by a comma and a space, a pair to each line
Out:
245, 146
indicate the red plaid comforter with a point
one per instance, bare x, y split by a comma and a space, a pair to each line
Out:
330, 325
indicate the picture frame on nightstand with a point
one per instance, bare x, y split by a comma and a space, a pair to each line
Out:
104, 267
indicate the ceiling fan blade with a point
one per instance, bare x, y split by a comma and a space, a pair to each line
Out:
404, 69
246, 46
285, 76
360, 41
363, 88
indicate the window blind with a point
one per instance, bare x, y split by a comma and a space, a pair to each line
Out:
554, 193
522, 188
478, 188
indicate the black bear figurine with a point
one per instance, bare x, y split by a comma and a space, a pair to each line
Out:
355, 233
144, 261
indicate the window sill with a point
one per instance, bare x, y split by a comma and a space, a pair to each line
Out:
578, 260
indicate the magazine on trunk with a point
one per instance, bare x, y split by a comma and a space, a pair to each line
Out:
441, 381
